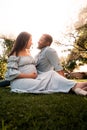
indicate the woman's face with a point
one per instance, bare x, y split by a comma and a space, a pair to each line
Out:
29, 43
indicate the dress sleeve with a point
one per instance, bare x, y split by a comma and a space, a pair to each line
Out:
54, 59
12, 68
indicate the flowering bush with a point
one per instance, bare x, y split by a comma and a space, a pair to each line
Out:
2, 68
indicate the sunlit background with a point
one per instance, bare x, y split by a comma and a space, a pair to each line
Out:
38, 17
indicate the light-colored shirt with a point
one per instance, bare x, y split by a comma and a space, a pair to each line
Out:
47, 60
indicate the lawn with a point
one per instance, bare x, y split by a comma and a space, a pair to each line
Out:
42, 112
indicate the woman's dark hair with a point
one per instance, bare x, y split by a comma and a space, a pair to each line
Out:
20, 43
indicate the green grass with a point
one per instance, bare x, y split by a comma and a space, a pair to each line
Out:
81, 80
42, 112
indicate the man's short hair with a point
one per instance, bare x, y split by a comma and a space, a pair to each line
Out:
48, 38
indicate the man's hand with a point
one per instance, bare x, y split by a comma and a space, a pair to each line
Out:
61, 73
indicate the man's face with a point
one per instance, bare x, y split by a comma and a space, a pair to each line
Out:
42, 42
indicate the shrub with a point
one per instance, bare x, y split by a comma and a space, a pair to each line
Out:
2, 68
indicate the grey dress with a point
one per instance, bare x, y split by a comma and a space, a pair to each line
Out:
47, 82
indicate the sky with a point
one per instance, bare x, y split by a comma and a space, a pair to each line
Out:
38, 16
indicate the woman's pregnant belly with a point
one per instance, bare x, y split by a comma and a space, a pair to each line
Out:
28, 69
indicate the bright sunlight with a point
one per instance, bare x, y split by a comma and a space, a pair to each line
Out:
38, 16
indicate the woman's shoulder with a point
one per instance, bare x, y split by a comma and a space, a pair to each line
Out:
13, 58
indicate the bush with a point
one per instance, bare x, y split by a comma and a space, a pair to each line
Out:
2, 68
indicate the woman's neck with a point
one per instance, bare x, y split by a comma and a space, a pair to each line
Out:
24, 52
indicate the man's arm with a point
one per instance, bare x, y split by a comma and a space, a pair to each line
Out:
54, 61
61, 72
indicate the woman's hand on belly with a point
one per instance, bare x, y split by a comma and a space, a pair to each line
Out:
32, 75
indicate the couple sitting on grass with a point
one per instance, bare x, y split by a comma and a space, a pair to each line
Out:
43, 74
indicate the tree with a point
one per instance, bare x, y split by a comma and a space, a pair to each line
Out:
78, 54
82, 18
82, 39
7, 45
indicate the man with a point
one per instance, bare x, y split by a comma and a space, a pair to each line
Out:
46, 60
